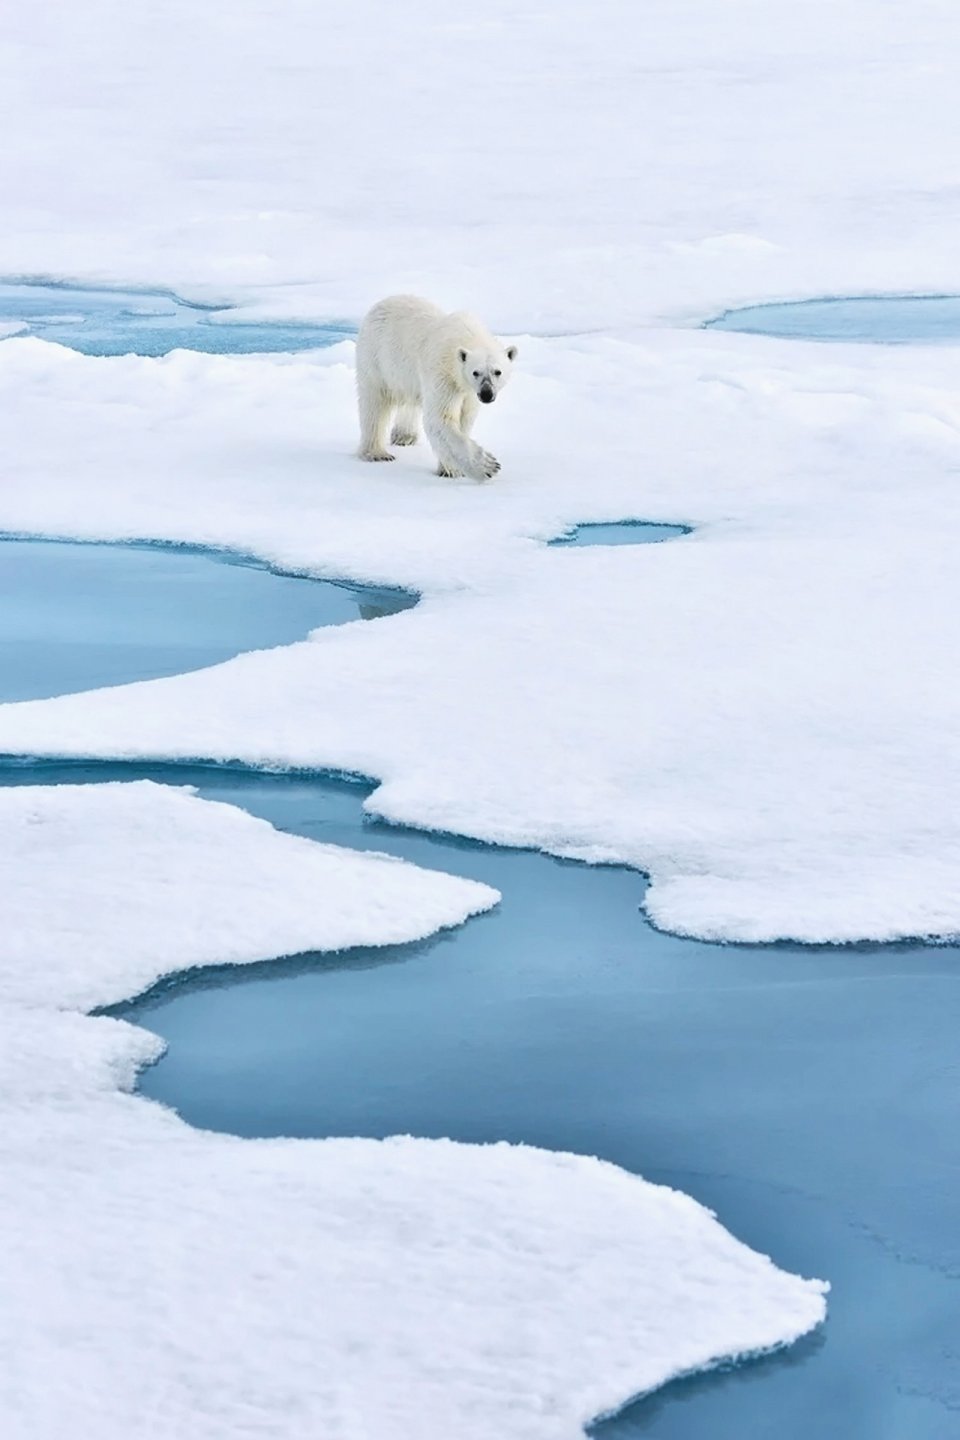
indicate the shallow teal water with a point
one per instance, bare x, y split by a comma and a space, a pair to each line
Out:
79, 617
134, 322
809, 1096
621, 532
873, 319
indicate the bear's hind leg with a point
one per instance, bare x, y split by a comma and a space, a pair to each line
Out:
375, 411
406, 426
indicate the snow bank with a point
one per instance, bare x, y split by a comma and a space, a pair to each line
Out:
159, 1281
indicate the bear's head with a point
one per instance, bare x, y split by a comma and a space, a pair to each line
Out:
485, 372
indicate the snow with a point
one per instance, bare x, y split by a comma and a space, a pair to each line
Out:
164, 1281
701, 154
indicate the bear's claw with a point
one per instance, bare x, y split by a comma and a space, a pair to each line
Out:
488, 465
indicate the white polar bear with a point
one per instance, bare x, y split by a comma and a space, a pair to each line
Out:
412, 356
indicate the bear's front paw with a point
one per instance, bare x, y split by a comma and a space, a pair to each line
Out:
487, 465
403, 437
376, 455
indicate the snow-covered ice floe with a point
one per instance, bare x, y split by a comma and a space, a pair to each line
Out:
162, 1281
759, 715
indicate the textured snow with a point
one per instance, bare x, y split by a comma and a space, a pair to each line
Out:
162, 1281
551, 166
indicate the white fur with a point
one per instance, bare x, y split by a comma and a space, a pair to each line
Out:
413, 357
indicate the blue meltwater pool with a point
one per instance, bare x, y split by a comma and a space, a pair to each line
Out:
133, 322
809, 1096
621, 532
79, 617
872, 319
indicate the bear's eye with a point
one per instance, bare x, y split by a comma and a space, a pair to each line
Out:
476, 374
498, 373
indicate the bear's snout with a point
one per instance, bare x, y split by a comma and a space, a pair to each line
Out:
487, 394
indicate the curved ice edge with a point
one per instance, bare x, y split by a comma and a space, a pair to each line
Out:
865, 946
365, 956
25, 766
347, 328
579, 534
233, 555
224, 554
812, 1338
164, 292
91, 287
717, 322
173, 769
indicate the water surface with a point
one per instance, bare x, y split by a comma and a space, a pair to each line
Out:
875, 319
621, 532
134, 322
78, 617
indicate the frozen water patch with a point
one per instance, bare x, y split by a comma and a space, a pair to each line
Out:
872, 319
81, 616
133, 322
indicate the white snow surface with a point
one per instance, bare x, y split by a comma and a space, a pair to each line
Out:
161, 1281
551, 166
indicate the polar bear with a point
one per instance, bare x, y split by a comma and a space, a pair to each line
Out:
412, 356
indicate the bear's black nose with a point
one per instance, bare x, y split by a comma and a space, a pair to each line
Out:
486, 395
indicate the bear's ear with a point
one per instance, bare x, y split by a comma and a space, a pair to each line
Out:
511, 353
463, 356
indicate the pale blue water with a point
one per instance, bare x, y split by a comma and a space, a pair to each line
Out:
132, 322
877, 319
621, 532
809, 1095
62, 628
